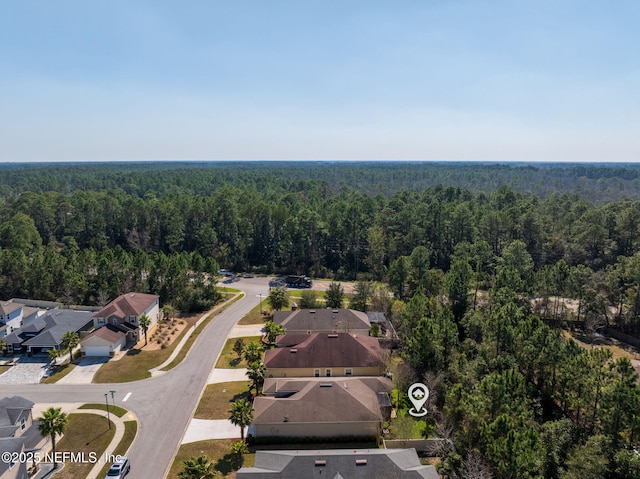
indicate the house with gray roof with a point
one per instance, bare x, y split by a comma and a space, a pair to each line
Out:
338, 464
308, 321
15, 423
45, 332
336, 408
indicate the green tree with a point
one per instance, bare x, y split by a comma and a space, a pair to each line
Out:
278, 298
252, 352
145, 321
238, 450
52, 423
272, 331
70, 340
334, 295
308, 300
198, 468
588, 461
256, 373
238, 347
399, 276
241, 415
457, 285
363, 293
53, 352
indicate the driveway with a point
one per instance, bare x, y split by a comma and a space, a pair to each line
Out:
84, 371
227, 376
26, 371
205, 429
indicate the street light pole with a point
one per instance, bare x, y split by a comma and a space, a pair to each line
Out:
106, 400
113, 399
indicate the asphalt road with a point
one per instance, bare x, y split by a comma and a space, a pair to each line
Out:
165, 404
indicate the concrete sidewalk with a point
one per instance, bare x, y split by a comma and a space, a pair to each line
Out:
244, 330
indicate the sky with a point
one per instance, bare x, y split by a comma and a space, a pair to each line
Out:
486, 80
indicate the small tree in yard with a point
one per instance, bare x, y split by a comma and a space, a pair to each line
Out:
252, 352
70, 340
241, 414
272, 331
197, 468
334, 296
278, 298
52, 422
256, 373
238, 347
53, 354
238, 449
308, 300
144, 321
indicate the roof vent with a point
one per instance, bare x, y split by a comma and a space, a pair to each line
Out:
320, 463
326, 385
335, 311
332, 335
293, 350
361, 462
313, 311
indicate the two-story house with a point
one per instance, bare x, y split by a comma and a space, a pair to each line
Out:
15, 422
125, 311
10, 317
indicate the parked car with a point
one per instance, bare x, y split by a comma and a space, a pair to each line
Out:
119, 468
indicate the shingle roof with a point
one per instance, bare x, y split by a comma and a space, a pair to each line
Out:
336, 463
7, 307
125, 305
57, 322
316, 402
326, 350
108, 332
12, 408
273, 386
340, 320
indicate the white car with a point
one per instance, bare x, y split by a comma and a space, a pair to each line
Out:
118, 469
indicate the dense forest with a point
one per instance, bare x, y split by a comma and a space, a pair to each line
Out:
484, 262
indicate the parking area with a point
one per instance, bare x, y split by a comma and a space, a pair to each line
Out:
27, 370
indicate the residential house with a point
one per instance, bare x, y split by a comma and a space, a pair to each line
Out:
325, 355
338, 463
321, 408
15, 424
10, 317
105, 341
308, 321
125, 311
41, 333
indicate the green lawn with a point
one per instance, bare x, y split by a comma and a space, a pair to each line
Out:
130, 431
229, 359
217, 398
254, 316
187, 345
117, 410
58, 373
88, 433
216, 450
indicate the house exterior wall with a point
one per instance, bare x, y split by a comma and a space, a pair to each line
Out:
310, 372
96, 346
13, 320
319, 430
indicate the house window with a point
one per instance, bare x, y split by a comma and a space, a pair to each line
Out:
133, 320
348, 371
316, 373
23, 424
100, 320
327, 373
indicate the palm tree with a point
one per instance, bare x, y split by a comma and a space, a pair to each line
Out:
272, 331
167, 311
278, 298
53, 354
241, 414
144, 322
256, 373
238, 449
52, 422
197, 468
252, 352
3, 344
70, 340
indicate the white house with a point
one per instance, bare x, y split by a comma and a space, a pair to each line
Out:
105, 341
125, 311
10, 317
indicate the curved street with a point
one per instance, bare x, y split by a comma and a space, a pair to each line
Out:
165, 404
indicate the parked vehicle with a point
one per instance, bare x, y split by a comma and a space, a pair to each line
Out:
119, 468
298, 282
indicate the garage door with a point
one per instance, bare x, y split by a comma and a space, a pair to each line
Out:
96, 351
